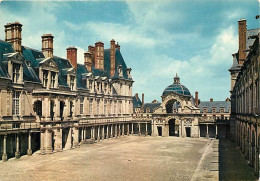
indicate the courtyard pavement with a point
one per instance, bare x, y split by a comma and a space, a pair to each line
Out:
127, 158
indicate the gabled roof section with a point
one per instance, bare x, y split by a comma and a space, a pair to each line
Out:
137, 102
151, 107
215, 104
81, 78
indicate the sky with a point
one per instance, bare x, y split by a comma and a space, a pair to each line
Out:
194, 38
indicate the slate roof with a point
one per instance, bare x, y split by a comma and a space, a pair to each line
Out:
34, 57
151, 107
178, 88
137, 103
215, 104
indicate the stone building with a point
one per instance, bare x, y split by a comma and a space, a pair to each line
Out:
52, 103
180, 114
245, 91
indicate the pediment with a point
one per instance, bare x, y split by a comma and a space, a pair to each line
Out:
15, 57
72, 71
49, 63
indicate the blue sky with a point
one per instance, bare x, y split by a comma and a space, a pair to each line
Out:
158, 39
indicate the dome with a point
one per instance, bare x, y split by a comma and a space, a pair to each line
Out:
177, 87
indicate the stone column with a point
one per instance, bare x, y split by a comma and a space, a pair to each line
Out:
111, 131
103, 132
107, 136
146, 132
58, 140
119, 130
91, 133
42, 142
29, 151
216, 130
85, 134
48, 140
4, 155
115, 130
132, 131
94, 134
139, 129
98, 138
123, 129
207, 135
17, 153
128, 129
75, 137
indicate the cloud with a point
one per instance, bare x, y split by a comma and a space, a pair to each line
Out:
207, 73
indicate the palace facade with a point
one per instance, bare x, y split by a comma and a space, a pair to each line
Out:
245, 92
49, 103
180, 114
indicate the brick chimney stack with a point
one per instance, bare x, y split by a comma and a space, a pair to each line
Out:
211, 100
112, 57
72, 56
13, 35
88, 60
99, 55
47, 45
196, 99
242, 41
117, 46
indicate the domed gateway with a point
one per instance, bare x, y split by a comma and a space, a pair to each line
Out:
177, 115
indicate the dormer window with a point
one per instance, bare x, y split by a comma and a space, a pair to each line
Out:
205, 110
45, 78
16, 72
72, 82
53, 74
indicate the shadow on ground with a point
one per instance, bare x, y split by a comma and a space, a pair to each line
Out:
232, 165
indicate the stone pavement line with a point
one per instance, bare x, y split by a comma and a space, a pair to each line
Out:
199, 167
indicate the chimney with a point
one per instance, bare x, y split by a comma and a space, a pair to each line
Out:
72, 56
99, 55
13, 35
117, 46
88, 60
112, 57
196, 99
242, 40
136, 96
211, 100
47, 45
142, 100
227, 100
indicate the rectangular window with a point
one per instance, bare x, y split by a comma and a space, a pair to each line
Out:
45, 78
91, 106
16, 72
98, 106
53, 74
72, 79
16, 103
105, 107
81, 105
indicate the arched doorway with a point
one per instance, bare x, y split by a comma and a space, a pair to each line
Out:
171, 123
172, 106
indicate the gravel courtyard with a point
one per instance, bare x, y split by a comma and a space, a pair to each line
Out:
126, 158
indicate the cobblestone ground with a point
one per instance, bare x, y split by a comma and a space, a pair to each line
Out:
125, 158
232, 164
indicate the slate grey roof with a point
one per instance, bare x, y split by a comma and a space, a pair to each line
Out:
178, 88
150, 107
137, 102
215, 104
34, 57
